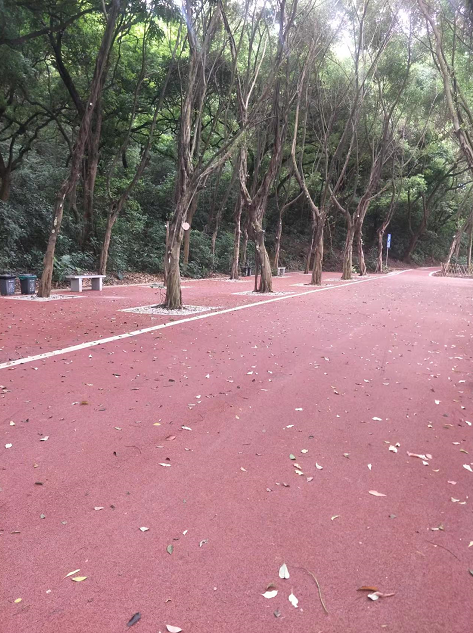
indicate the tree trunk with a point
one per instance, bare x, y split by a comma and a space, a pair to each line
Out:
244, 247
235, 272
111, 219
359, 250
348, 252
166, 258
90, 176
470, 244
266, 278
379, 259
412, 244
78, 151
44, 289
173, 287
309, 262
173, 250
187, 235
5, 185
316, 279
278, 242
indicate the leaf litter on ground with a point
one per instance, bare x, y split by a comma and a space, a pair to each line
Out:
134, 619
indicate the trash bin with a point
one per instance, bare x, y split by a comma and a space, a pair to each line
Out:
7, 285
27, 284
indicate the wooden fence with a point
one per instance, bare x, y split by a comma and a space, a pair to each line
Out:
456, 270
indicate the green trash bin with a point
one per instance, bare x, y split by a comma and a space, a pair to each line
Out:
27, 284
7, 285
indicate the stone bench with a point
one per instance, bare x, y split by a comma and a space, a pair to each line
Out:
76, 281
281, 271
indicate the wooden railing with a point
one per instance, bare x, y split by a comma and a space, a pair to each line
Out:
456, 270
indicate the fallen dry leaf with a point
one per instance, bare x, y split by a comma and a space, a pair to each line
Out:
283, 571
377, 594
367, 588
425, 457
79, 578
293, 600
375, 493
18, 600
270, 594
134, 619
144, 529
173, 629
468, 467
71, 573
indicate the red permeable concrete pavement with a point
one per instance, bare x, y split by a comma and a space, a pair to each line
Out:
343, 375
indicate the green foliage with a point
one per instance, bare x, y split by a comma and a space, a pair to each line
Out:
42, 76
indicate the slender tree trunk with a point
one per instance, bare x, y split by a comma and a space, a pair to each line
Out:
379, 259
90, 176
266, 278
348, 252
278, 241
244, 247
173, 252
187, 235
359, 250
235, 272
454, 246
458, 245
316, 279
5, 185
166, 258
173, 286
413, 243
309, 262
111, 219
78, 152
470, 244
48, 262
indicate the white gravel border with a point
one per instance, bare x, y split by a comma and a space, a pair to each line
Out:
264, 294
36, 298
160, 309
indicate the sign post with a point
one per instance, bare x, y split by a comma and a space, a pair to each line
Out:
388, 246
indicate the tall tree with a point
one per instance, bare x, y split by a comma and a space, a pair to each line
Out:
78, 150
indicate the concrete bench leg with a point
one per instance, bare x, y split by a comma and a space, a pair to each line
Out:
97, 283
76, 285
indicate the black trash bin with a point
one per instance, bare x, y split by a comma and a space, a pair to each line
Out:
27, 284
7, 285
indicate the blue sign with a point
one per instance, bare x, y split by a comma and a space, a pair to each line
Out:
388, 243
